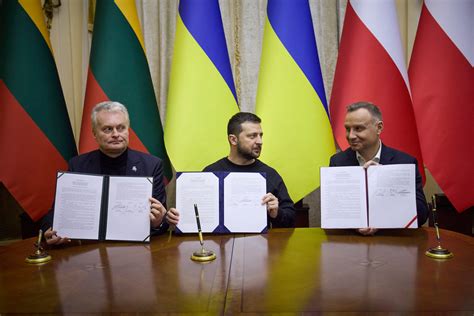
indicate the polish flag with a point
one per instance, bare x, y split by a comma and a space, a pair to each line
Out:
442, 84
371, 67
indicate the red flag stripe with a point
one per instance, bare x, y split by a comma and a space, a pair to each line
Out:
33, 194
95, 94
365, 72
442, 83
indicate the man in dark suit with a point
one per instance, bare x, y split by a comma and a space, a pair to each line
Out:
110, 126
364, 125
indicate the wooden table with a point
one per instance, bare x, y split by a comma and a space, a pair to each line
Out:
285, 271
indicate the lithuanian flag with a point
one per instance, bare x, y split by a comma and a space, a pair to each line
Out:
118, 71
36, 138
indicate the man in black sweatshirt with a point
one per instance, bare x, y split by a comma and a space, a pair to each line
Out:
245, 138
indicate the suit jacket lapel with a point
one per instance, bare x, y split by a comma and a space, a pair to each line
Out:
386, 155
134, 166
93, 163
351, 157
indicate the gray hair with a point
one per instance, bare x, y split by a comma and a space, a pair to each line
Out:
372, 108
109, 106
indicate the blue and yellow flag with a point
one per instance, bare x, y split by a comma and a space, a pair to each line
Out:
201, 96
290, 99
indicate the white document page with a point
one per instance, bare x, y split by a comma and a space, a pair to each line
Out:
392, 196
243, 209
77, 205
343, 197
128, 215
201, 188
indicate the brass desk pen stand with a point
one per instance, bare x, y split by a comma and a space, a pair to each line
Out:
437, 252
202, 255
40, 255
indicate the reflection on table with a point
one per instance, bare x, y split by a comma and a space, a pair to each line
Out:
286, 270
312, 270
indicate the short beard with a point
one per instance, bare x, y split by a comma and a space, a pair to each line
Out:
246, 155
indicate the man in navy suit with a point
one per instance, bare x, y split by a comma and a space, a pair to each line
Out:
364, 125
110, 126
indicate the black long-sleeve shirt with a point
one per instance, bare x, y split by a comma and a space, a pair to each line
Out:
275, 185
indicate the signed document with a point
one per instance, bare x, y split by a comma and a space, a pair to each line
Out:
228, 202
382, 196
202, 189
102, 207
128, 215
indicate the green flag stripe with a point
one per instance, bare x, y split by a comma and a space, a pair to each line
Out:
28, 69
121, 69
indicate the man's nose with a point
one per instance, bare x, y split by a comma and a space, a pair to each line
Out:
351, 134
259, 140
115, 132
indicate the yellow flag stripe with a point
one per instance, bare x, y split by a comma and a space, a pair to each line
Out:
298, 137
200, 104
129, 10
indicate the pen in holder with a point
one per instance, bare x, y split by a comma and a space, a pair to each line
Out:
201, 255
437, 252
40, 255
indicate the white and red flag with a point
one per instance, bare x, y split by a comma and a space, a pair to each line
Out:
371, 67
442, 85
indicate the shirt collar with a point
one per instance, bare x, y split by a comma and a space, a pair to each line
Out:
376, 158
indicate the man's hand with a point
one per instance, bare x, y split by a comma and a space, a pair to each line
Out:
53, 239
272, 204
370, 163
157, 212
368, 231
173, 216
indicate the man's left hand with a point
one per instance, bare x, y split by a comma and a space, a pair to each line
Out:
157, 212
368, 231
173, 216
272, 204
370, 163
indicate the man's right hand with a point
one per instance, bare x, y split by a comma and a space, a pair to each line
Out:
53, 239
368, 231
370, 163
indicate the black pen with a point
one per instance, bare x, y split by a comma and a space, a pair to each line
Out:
198, 224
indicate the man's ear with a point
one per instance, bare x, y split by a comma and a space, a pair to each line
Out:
379, 127
233, 139
93, 133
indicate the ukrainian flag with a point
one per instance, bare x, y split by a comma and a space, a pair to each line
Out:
291, 100
201, 96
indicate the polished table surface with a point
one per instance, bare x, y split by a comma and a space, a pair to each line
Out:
304, 270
